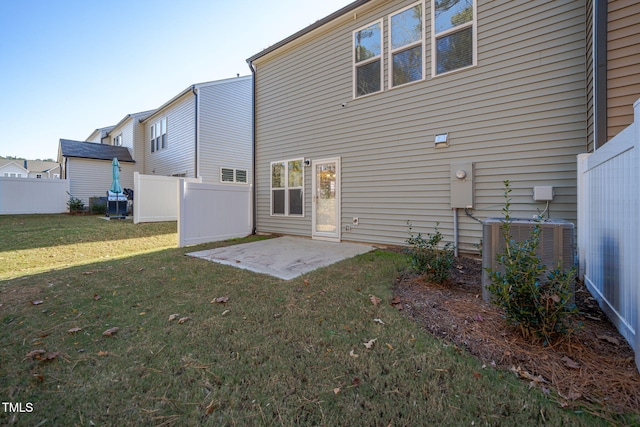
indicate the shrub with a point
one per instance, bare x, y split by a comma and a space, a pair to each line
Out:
535, 299
75, 205
427, 257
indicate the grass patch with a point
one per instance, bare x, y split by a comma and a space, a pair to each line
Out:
277, 353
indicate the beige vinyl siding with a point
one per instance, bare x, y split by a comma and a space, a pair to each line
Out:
519, 115
623, 63
96, 177
225, 127
179, 156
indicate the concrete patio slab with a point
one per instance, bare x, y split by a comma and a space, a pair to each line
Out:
283, 257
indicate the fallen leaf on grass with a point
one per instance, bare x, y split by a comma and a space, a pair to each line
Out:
607, 338
374, 299
211, 407
220, 300
524, 374
109, 332
88, 273
183, 319
51, 356
390, 346
39, 377
369, 344
352, 354
37, 302
224, 312
173, 317
34, 354
569, 363
396, 302
378, 321
104, 353
74, 330
356, 382
336, 390
97, 297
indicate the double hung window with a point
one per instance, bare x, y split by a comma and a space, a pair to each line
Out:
367, 44
158, 131
287, 187
406, 45
453, 37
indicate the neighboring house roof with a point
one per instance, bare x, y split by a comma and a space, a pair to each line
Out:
100, 131
92, 150
41, 166
310, 28
16, 162
141, 116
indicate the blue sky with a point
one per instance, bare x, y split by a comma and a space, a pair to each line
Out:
68, 67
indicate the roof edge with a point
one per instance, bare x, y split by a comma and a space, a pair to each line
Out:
346, 9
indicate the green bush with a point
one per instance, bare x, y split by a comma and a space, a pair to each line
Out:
535, 299
427, 257
75, 205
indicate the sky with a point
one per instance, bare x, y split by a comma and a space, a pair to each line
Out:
68, 67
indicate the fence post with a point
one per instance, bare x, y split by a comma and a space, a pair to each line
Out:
636, 239
583, 212
181, 212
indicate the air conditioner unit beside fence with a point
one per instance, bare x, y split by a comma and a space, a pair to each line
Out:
557, 244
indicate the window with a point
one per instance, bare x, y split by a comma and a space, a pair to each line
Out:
233, 175
406, 45
117, 140
287, 187
454, 38
367, 57
39, 175
158, 132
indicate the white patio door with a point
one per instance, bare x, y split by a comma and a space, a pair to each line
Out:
326, 199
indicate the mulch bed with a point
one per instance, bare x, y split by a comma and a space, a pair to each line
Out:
594, 368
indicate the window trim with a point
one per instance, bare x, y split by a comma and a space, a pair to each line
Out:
367, 61
117, 140
434, 37
158, 142
422, 41
286, 188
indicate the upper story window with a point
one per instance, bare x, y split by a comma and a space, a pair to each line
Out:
158, 131
454, 37
117, 140
287, 186
406, 45
367, 58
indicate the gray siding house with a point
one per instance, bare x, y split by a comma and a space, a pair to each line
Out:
204, 131
392, 111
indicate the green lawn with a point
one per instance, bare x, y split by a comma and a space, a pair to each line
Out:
276, 353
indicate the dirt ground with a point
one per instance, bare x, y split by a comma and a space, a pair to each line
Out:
594, 368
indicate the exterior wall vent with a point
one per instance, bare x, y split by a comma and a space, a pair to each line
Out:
557, 244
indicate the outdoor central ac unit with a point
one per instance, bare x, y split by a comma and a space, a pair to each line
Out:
557, 244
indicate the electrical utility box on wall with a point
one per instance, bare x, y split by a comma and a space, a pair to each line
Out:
461, 185
557, 244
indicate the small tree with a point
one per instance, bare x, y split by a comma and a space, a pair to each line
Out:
427, 257
539, 306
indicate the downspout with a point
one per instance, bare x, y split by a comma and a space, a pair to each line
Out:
600, 12
254, 216
197, 160
455, 232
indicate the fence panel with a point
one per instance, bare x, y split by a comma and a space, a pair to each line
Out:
608, 230
33, 195
155, 198
213, 212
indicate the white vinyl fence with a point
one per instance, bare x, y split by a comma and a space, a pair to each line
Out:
213, 212
608, 229
33, 196
155, 198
